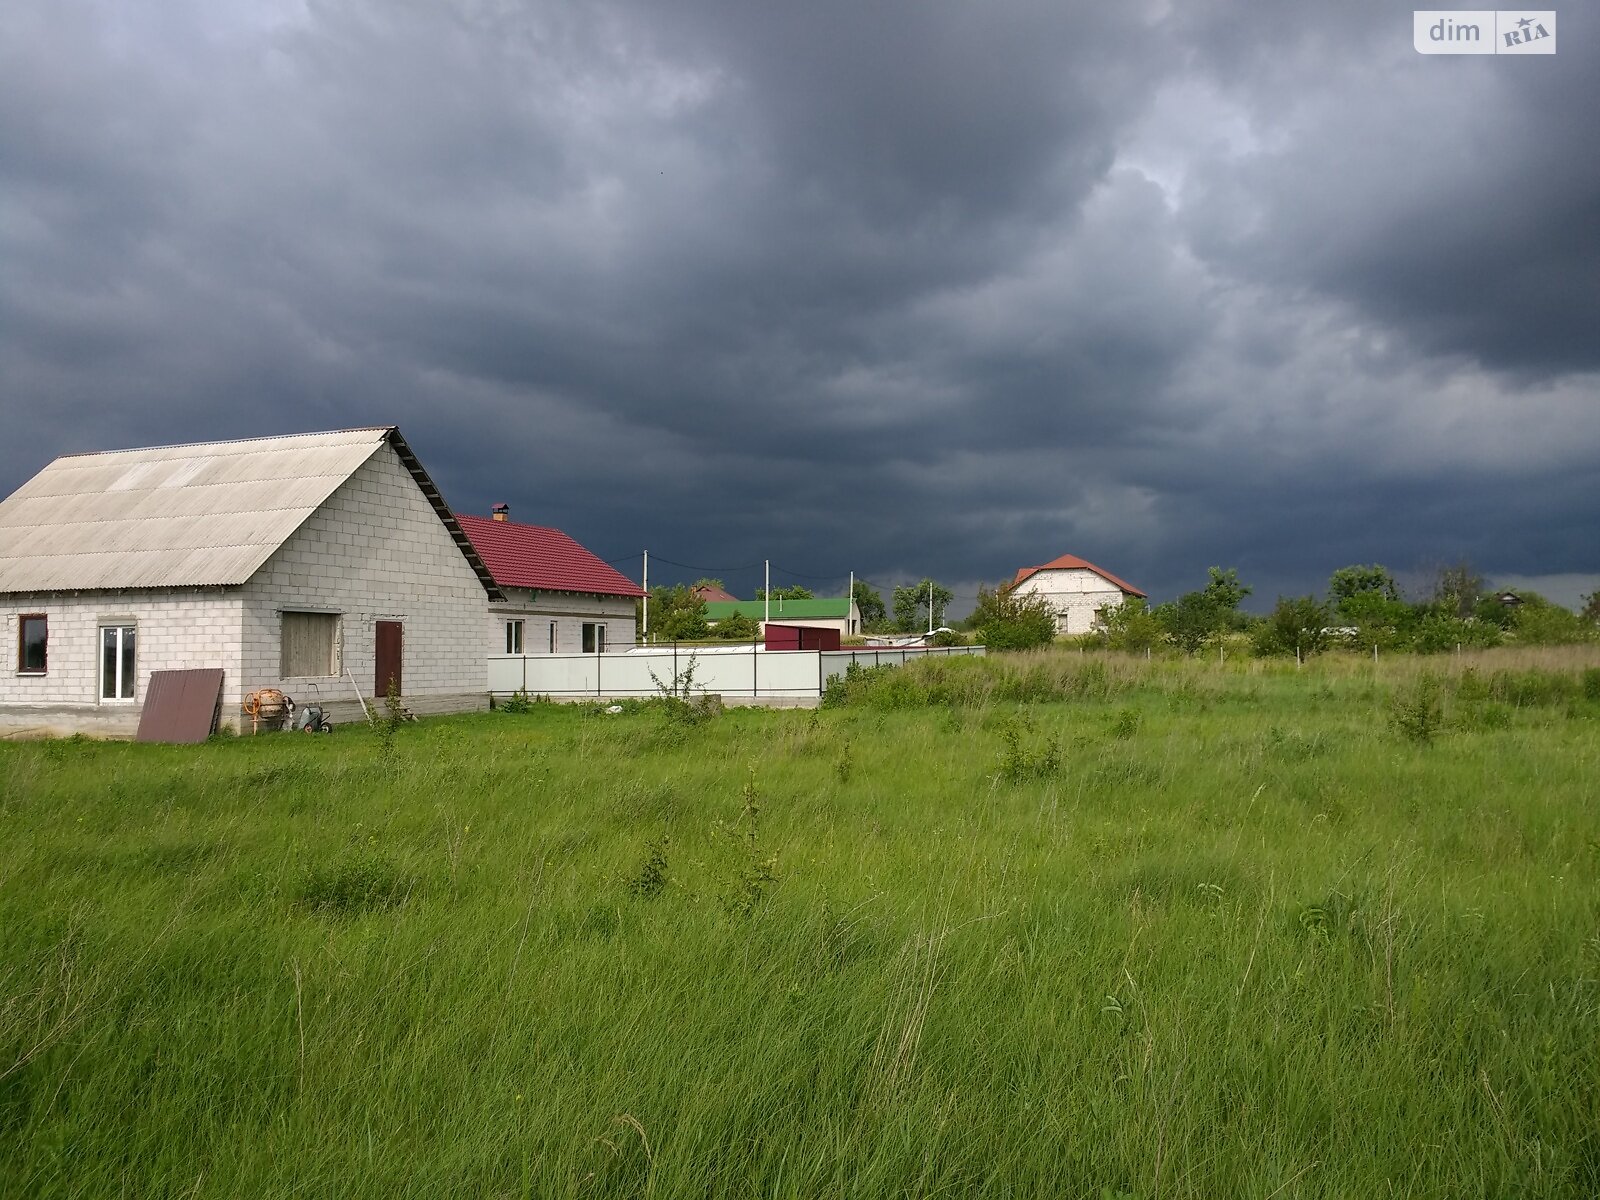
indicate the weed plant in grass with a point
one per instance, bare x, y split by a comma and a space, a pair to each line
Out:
1045, 926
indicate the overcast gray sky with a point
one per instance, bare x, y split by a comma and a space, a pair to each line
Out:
933, 286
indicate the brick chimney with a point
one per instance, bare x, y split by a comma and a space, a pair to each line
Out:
501, 512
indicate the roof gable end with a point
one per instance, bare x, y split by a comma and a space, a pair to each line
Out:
1071, 562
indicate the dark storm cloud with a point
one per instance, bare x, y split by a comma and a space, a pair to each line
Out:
1457, 199
907, 288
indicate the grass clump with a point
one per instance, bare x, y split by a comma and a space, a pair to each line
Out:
359, 881
1025, 755
650, 878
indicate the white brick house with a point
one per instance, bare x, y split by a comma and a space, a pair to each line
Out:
314, 563
1075, 588
558, 597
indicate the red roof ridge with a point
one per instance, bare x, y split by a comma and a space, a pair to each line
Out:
1071, 562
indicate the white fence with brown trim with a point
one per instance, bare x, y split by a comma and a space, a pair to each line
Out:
725, 670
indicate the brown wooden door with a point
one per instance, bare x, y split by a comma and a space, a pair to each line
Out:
389, 654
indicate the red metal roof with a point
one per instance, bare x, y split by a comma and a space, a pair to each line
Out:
547, 560
1071, 562
709, 593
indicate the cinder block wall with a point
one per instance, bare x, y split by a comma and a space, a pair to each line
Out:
569, 611
176, 628
374, 551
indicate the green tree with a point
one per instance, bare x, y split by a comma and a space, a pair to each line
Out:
1298, 625
1377, 619
1007, 620
736, 628
1128, 626
911, 605
871, 605
796, 592
1437, 631
1358, 580
1190, 621
1456, 590
1591, 608
677, 614
708, 582
1539, 622
1194, 618
1224, 590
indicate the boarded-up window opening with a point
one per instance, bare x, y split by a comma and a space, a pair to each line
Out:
310, 645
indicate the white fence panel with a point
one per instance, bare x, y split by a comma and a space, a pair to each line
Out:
727, 672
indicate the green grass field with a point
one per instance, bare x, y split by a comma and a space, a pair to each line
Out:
1049, 926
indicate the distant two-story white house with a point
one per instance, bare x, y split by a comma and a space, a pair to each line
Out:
322, 564
1075, 588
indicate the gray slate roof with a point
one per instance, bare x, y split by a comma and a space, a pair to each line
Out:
202, 515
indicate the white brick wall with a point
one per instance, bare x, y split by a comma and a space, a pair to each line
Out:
375, 550
176, 628
569, 611
1075, 594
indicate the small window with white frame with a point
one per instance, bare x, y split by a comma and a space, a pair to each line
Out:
118, 661
514, 637
309, 645
594, 637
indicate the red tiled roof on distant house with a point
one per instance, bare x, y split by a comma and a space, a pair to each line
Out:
546, 560
709, 593
1071, 562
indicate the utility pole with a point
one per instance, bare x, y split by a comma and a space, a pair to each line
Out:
766, 593
850, 604
645, 632
930, 608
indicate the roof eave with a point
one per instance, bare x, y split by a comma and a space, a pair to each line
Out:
435, 498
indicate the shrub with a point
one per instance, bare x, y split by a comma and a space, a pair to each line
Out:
686, 706
520, 702
1008, 620
651, 876
1020, 761
1439, 633
1128, 626
1298, 625
1417, 712
1539, 623
850, 687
